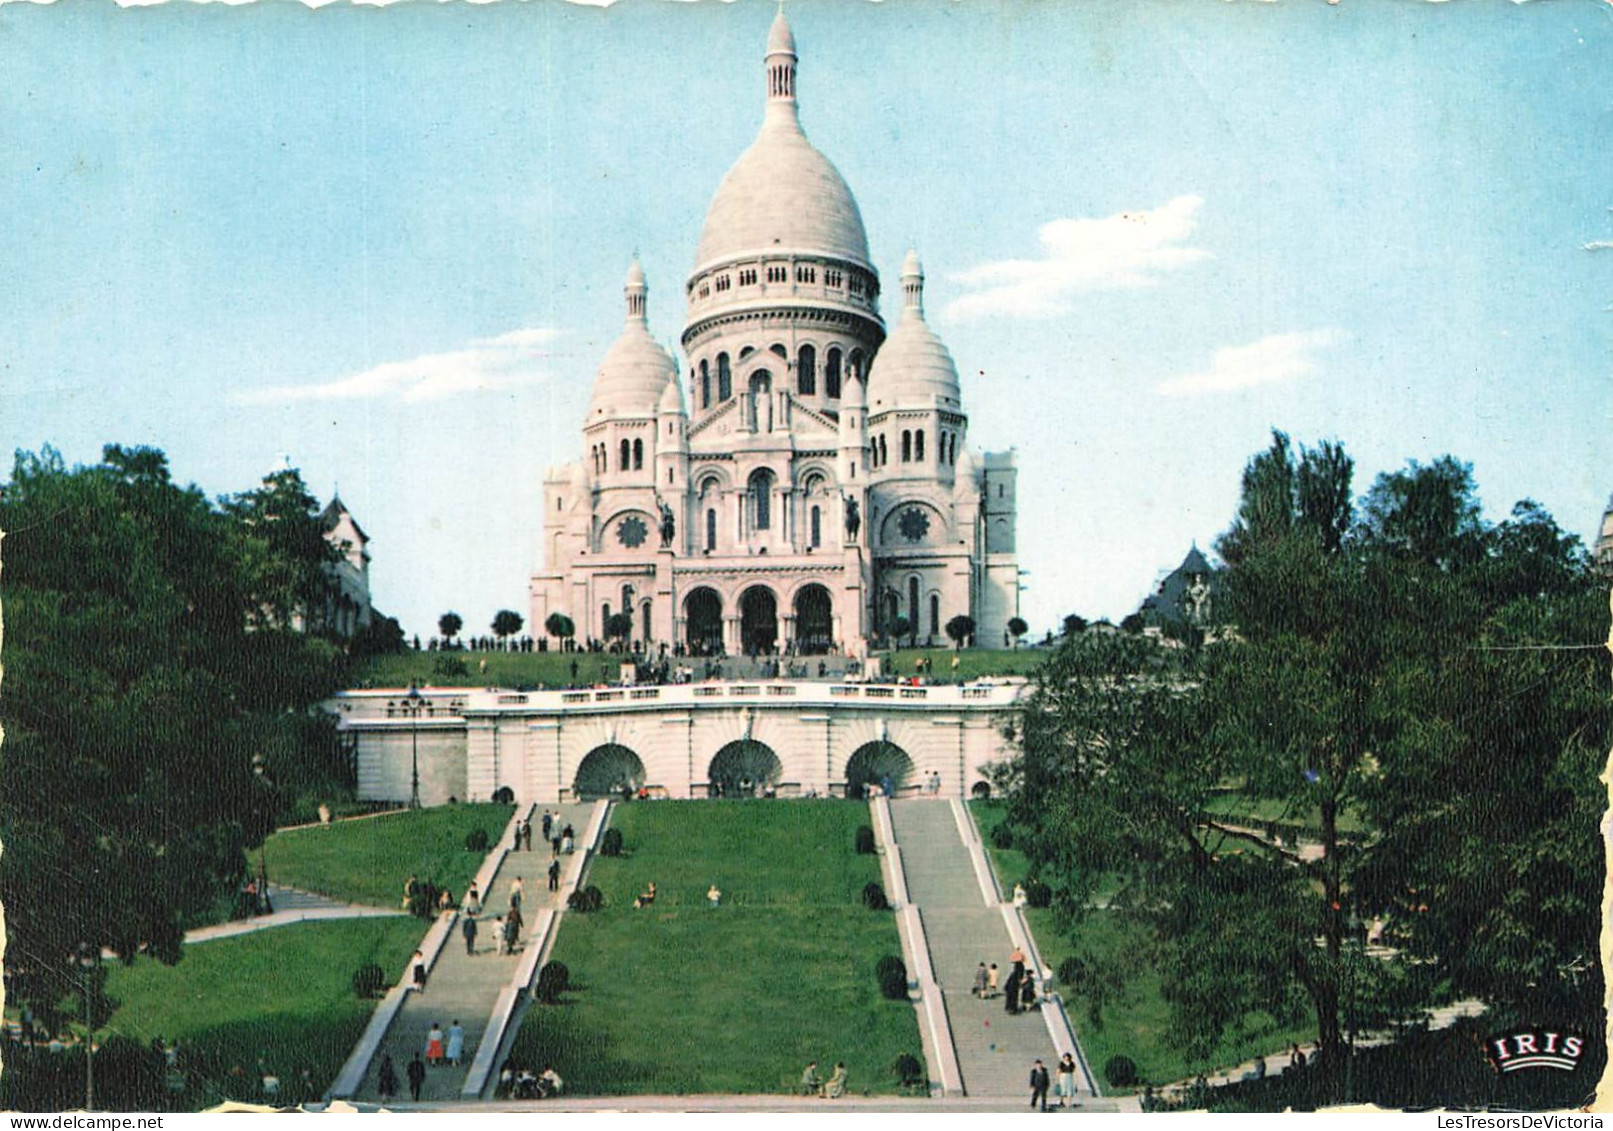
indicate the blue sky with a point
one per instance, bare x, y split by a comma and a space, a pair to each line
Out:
390, 243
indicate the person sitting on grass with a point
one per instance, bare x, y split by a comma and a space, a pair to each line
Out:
646, 897
550, 1084
836, 1087
713, 896
811, 1082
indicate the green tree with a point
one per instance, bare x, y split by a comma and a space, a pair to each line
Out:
449, 625
619, 626
283, 548
560, 626
1017, 628
151, 708
1074, 624
506, 623
960, 629
899, 628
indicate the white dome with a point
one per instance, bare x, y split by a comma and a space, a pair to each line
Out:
636, 369
672, 397
782, 194
913, 366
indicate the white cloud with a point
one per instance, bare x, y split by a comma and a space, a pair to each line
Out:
1126, 250
1599, 245
505, 362
1271, 360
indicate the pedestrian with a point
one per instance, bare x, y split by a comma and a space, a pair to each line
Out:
568, 838
554, 875
468, 928
991, 980
515, 844
473, 901
836, 1087
1065, 1085
516, 887
548, 824
456, 1043
419, 972
1020, 898
434, 1050
1011, 991
498, 935
526, 834
417, 1077
982, 979
1039, 1085
512, 928
554, 843
386, 1084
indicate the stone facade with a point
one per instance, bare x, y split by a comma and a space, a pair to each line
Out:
695, 740
815, 483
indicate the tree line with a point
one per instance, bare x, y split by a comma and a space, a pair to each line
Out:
1396, 726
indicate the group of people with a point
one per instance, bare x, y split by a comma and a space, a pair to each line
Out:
647, 896
1063, 1087
813, 1084
560, 837
1019, 991
520, 1084
441, 1049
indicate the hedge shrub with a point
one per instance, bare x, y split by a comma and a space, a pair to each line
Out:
553, 980
1120, 1071
891, 973
477, 840
1038, 894
1002, 836
874, 898
611, 843
865, 841
907, 1069
586, 899
369, 980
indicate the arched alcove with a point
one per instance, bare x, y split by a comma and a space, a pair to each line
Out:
743, 768
605, 770
877, 762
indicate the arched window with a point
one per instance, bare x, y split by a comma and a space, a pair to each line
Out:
604, 619
913, 604
669, 475
705, 386
806, 371
778, 347
817, 527
831, 374
638, 452
627, 599
627, 455
935, 615
725, 378
856, 366
907, 446
761, 491
918, 445
711, 530
761, 382
884, 452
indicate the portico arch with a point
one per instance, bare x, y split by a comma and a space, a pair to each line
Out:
743, 768
702, 615
876, 762
758, 620
604, 770
814, 620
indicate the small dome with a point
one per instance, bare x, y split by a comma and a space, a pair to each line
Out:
913, 366
853, 394
636, 369
782, 194
966, 472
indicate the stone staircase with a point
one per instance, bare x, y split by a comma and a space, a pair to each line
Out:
995, 1050
466, 987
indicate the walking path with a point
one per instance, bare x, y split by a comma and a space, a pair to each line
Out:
465, 987
290, 906
995, 1049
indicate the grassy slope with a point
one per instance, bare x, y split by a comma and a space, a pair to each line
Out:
973, 663
367, 861
680, 998
1139, 1023
284, 994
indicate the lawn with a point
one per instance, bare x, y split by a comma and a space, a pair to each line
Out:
1137, 1024
973, 663
681, 998
367, 860
282, 995
488, 669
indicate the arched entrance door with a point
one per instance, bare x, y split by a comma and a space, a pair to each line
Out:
606, 771
702, 615
743, 769
814, 620
879, 762
758, 620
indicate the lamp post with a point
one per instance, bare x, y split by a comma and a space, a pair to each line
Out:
260, 768
88, 959
414, 699
1351, 942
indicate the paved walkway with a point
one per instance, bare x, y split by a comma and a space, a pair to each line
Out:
465, 987
995, 1050
290, 906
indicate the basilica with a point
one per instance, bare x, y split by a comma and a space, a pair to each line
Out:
806, 485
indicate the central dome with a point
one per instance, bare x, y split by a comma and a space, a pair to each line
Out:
782, 194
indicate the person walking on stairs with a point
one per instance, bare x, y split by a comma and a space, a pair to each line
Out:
468, 929
1039, 1085
386, 1084
417, 1077
455, 1051
1064, 1088
982, 977
554, 875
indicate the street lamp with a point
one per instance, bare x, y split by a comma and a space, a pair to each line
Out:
415, 699
1351, 941
88, 959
